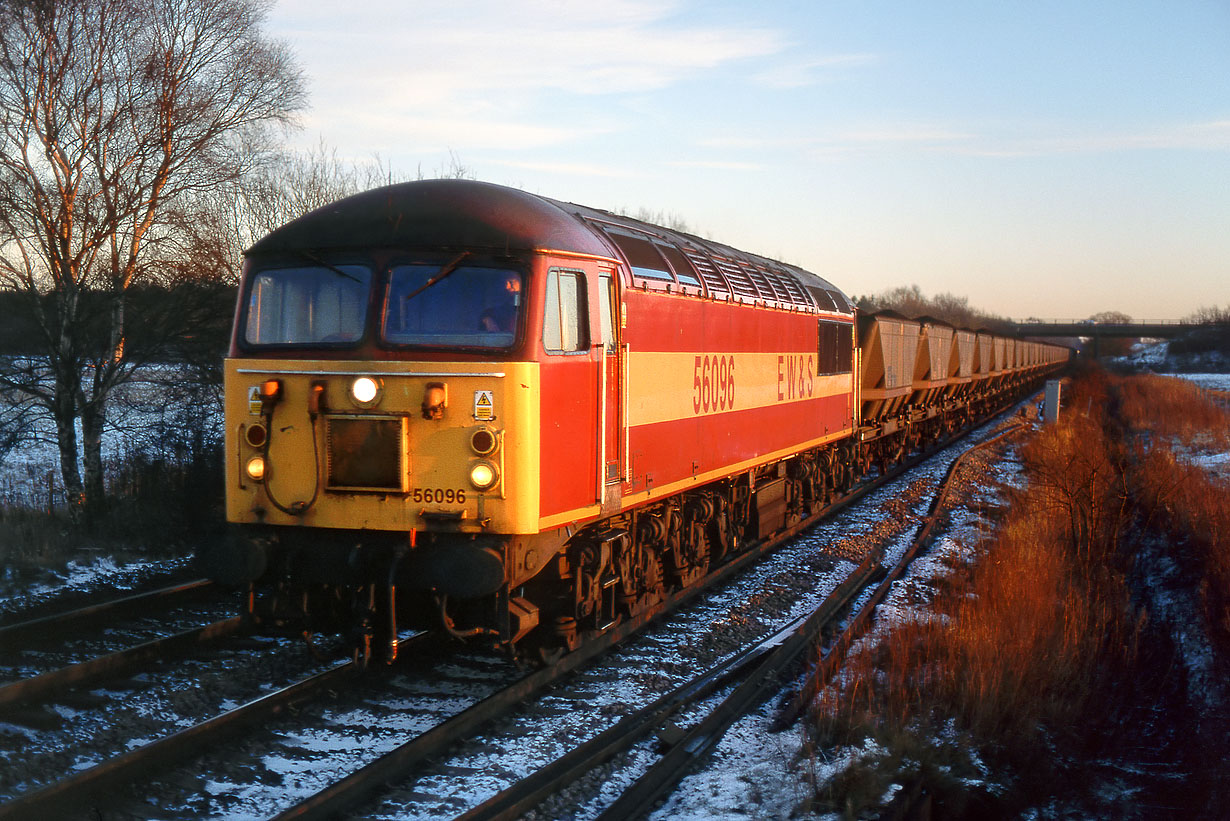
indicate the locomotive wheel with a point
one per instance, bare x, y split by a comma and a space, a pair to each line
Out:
654, 590
361, 652
699, 555
550, 656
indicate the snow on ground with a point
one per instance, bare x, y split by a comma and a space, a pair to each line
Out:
1208, 381
153, 410
756, 773
1155, 355
84, 577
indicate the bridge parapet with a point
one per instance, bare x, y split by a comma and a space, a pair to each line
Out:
1147, 328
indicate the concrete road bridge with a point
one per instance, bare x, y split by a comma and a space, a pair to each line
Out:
1096, 331
1136, 329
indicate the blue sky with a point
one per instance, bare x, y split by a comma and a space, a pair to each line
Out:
1048, 159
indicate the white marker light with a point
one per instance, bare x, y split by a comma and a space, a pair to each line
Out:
365, 391
482, 475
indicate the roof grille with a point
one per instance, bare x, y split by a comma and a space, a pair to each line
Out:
740, 284
760, 279
790, 285
713, 280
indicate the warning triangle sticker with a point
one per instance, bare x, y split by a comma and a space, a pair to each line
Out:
484, 405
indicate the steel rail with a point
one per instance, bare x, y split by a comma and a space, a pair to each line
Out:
824, 671
74, 794
698, 742
45, 685
58, 621
399, 763
530, 791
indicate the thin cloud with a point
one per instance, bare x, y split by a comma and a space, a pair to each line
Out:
1210, 136
863, 140
808, 72
489, 48
719, 165
571, 169
931, 139
488, 74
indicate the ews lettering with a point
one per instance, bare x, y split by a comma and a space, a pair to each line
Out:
795, 377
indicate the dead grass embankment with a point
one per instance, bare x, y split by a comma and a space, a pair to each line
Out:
1040, 678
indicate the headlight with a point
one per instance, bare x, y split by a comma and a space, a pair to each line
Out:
483, 475
255, 468
365, 391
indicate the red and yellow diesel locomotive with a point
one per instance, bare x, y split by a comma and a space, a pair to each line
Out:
458, 405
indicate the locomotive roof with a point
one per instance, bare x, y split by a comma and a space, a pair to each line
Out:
434, 213
472, 214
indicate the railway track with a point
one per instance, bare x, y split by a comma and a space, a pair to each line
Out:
46, 686
506, 691
79, 793
171, 595
401, 763
46, 656
75, 713
759, 671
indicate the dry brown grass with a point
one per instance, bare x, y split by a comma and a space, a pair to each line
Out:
1006, 669
1033, 663
1177, 498
1173, 408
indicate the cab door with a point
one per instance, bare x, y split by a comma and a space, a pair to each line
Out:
611, 389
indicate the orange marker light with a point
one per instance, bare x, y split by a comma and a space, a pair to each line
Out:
435, 400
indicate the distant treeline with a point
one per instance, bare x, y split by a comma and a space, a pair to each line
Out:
910, 301
176, 323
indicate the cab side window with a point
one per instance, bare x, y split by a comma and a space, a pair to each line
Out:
565, 329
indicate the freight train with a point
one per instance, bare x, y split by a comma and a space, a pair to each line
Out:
460, 406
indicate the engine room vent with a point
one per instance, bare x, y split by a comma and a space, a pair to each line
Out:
714, 282
740, 284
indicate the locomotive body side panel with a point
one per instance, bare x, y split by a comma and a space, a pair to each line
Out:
718, 387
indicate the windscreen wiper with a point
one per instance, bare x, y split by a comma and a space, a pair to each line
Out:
310, 257
441, 274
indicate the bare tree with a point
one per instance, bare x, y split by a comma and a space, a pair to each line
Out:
301, 182
910, 301
454, 169
116, 117
1114, 346
1209, 315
